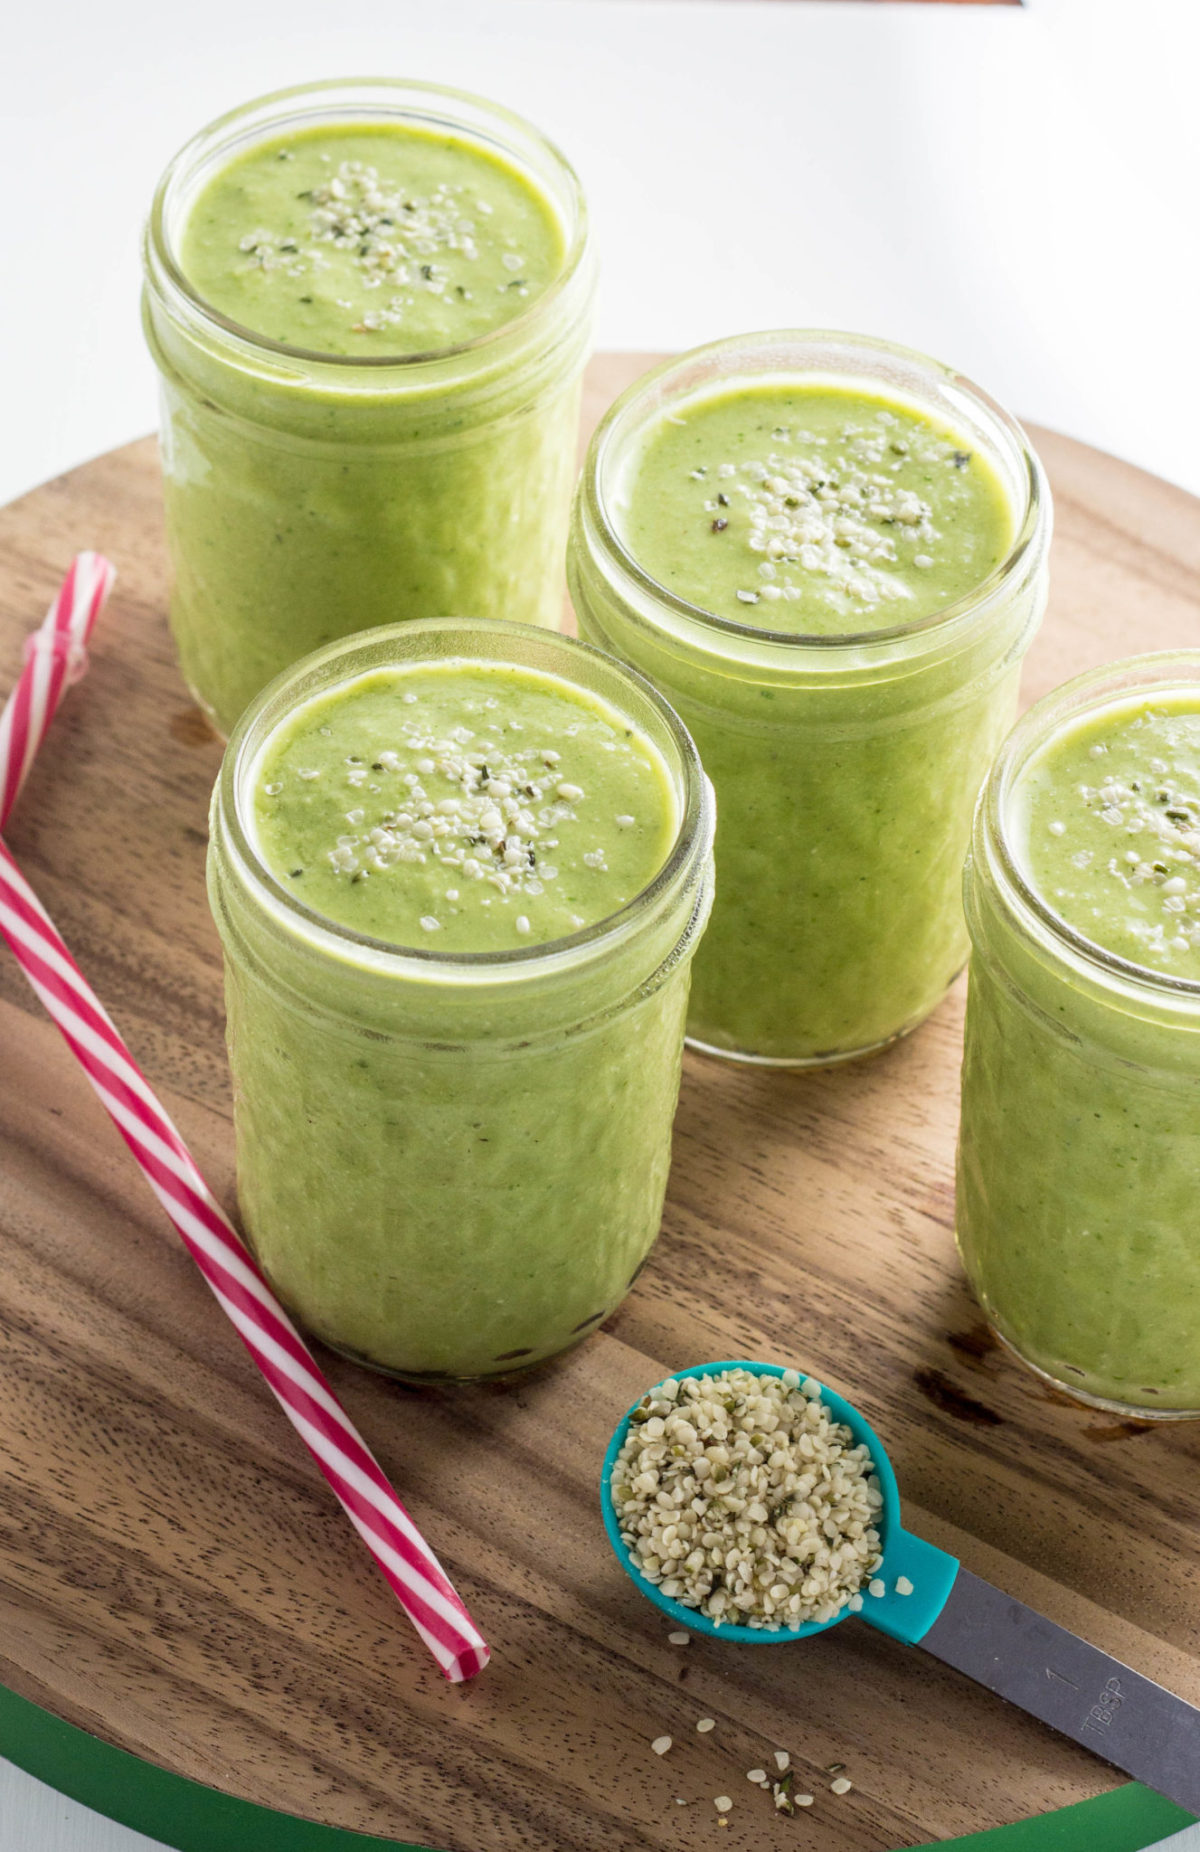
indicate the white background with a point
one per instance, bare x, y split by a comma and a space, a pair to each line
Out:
1014, 190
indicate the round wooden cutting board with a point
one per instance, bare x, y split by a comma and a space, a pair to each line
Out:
176, 1580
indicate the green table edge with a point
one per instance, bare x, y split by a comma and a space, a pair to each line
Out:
191, 1817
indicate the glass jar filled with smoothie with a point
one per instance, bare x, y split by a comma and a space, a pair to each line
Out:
369, 303
1079, 1149
830, 555
459, 871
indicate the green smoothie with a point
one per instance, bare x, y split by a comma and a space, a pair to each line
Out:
481, 803
815, 571
812, 509
459, 873
369, 306
1080, 1135
1111, 831
384, 239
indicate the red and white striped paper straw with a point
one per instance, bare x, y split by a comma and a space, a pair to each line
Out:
420, 1584
55, 656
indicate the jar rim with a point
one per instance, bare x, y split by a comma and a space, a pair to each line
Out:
221, 130
1082, 695
347, 660
1029, 525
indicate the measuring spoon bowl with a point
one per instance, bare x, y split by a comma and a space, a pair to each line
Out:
907, 1560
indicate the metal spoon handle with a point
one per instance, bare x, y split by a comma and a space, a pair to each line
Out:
1060, 1679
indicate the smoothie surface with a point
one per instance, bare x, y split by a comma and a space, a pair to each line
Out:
462, 806
812, 508
1108, 817
370, 240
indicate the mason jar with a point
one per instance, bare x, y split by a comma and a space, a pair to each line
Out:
845, 766
453, 1166
1079, 1148
309, 495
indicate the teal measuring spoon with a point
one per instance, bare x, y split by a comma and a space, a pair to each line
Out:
929, 1600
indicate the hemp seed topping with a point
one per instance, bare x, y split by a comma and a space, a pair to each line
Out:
1125, 825
831, 509
440, 823
740, 1496
490, 827
415, 241
800, 507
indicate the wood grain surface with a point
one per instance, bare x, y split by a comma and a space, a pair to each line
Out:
175, 1578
